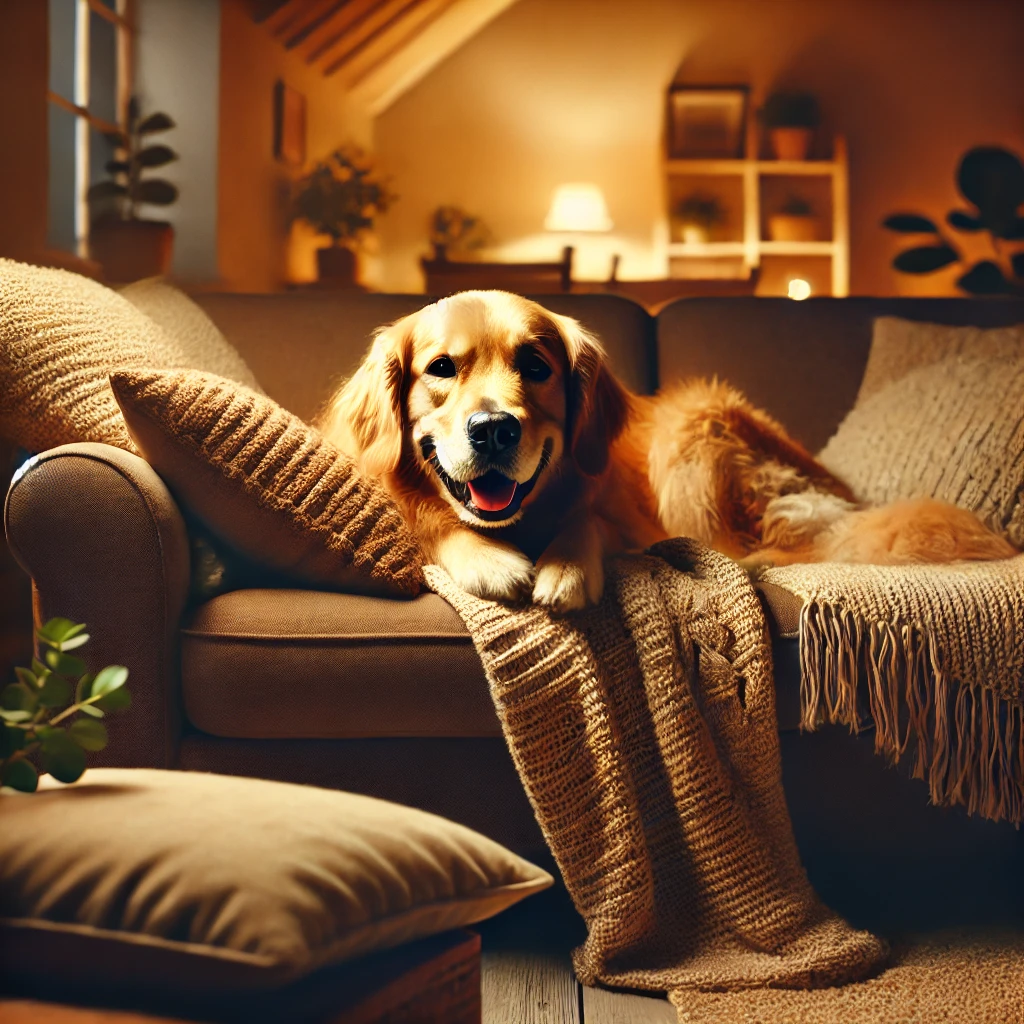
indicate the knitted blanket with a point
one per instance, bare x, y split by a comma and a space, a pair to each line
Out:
644, 732
941, 649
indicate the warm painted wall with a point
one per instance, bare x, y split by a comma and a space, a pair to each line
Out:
177, 62
256, 249
565, 90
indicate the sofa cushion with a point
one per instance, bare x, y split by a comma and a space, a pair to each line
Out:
191, 329
267, 483
365, 667
185, 881
351, 666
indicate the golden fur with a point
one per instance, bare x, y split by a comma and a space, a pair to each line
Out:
602, 470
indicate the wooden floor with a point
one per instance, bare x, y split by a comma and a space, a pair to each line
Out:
528, 977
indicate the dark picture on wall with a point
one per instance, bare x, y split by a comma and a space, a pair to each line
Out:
706, 122
289, 125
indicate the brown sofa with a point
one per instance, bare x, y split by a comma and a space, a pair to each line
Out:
386, 696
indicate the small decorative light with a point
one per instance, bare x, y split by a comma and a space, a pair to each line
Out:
578, 207
799, 289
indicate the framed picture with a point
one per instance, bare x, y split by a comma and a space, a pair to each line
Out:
707, 122
289, 125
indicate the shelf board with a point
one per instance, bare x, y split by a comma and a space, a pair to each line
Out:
805, 167
797, 248
706, 249
706, 166
821, 168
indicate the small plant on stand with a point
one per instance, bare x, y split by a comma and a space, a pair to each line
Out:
34, 729
341, 197
698, 214
453, 230
790, 119
795, 222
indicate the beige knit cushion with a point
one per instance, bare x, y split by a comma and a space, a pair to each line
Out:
192, 330
60, 336
267, 483
952, 430
899, 346
209, 883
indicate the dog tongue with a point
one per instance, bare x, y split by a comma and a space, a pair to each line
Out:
492, 492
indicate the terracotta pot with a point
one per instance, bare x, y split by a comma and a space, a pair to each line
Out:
788, 227
336, 264
791, 143
129, 250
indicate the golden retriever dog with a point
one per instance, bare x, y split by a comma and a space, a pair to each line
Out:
519, 461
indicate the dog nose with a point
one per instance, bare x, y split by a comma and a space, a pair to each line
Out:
493, 432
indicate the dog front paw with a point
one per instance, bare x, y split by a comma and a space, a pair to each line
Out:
567, 586
487, 568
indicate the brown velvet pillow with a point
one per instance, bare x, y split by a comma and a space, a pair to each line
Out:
266, 483
195, 883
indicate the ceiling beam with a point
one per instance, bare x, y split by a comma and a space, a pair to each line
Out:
336, 28
384, 83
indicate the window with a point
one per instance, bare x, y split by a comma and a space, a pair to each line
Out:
90, 82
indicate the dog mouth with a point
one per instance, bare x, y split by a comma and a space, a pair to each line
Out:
492, 497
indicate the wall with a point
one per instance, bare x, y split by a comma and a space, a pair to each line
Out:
564, 90
257, 250
178, 68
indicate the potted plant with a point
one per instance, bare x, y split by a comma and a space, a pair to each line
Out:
341, 197
697, 215
790, 119
795, 222
123, 243
454, 230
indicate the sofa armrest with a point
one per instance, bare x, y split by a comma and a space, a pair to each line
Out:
105, 544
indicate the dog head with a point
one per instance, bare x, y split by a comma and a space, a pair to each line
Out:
483, 396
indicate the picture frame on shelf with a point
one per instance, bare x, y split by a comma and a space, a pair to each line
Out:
707, 121
289, 125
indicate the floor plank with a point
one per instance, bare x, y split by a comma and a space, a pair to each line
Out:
523, 987
603, 1007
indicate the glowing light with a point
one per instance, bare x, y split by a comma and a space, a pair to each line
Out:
578, 207
799, 289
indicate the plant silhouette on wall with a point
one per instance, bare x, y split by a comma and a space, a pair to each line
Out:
991, 179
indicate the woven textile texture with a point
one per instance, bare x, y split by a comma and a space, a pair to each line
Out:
952, 430
939, 648
899, 346
644, 732
265, 482
191, 329
60, 337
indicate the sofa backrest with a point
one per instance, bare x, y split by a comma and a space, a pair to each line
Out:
301, 344
801, 361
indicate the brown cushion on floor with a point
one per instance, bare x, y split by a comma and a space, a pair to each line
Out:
332, 666
153, 879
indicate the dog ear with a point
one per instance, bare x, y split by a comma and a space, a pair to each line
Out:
598, 404
365, 418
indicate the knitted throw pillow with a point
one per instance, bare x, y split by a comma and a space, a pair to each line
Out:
952, 430
899, 346
193, 331
266, 483
60, 336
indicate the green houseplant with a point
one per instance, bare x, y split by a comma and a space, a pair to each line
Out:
794, 222
991, 179
453, 230
790, 119
341, 197
127, 246
34, 729
698, 214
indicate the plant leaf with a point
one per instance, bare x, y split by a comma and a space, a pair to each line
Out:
83, 691
1014, 231
984, 278
925, 259
1017, 262
155, 123
992, 178
75, 641
27, 677
65, 664
156, 191
20, 775
56, 692
56, 629
109, 679
18, 697
15, 716
12, 739
88, 734
910, 223
117, 167
105, 190
92, 711
116, 701
62, 757
40, 669
963, 221
155, 156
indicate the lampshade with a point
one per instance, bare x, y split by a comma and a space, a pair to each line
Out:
578, 207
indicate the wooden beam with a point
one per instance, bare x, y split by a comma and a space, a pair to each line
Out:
383, 84
387, 40
335, 28
286, 14
262, 10
379, 14
316, 14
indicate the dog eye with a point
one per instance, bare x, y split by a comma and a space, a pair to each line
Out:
442, 366
534, 368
